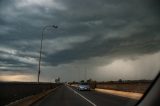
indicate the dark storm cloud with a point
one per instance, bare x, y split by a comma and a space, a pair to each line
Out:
115, 28
117, 47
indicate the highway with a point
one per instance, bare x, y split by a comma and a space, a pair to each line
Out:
67, 96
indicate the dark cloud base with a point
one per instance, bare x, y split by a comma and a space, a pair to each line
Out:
97, 47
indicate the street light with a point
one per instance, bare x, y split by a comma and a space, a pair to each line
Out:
52, 26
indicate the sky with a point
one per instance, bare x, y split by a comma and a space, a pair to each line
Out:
99, 39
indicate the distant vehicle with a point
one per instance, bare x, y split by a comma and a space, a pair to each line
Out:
84, 86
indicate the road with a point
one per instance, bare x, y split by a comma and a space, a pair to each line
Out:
67, 96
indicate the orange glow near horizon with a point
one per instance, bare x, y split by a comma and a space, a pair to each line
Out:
21, 78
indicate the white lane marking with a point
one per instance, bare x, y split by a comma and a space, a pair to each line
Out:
82, 96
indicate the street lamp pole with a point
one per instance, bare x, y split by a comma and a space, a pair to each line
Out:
40, 53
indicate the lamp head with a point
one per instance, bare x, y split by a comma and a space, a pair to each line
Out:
54, 26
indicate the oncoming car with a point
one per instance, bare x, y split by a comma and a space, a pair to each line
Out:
83, 86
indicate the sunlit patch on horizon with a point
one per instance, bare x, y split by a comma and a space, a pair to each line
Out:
21, 78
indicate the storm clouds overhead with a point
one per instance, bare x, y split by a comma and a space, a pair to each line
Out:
98, 39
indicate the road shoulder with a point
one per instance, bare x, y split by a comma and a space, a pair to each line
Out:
131, 95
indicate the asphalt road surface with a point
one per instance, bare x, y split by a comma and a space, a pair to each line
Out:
67, 96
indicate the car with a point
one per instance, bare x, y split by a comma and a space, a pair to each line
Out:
83, 87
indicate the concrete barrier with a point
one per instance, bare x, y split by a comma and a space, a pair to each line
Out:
12, 91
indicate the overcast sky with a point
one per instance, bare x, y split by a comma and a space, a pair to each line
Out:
98, 39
